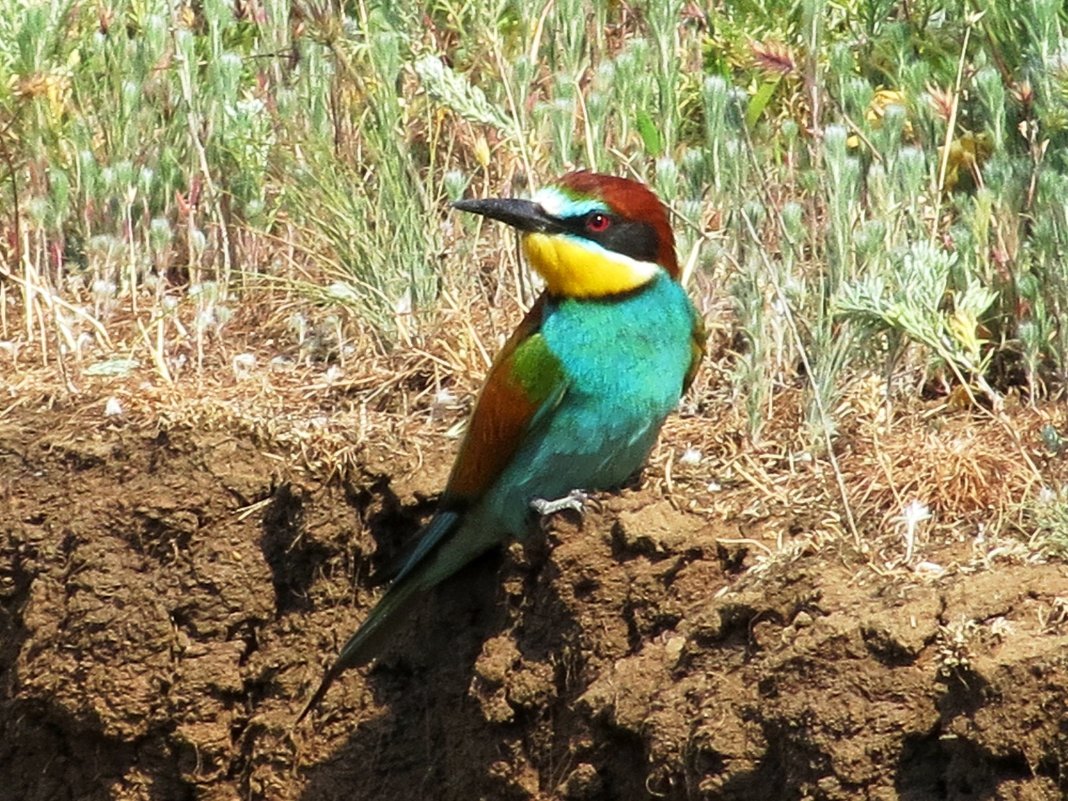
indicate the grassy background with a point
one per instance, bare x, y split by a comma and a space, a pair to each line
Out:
869, 187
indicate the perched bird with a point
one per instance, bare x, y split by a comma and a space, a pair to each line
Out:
575, 399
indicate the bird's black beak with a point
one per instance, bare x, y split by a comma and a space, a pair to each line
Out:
525, 215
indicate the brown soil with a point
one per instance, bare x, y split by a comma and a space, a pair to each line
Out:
169, 596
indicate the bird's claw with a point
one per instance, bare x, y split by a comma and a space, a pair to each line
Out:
574, 500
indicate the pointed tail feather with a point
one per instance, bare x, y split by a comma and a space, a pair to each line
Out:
414, 578
365, 644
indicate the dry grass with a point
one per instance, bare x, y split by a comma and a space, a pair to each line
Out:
917, 474
963, 466
346, 405
319, 396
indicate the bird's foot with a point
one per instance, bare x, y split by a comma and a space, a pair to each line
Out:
574, 500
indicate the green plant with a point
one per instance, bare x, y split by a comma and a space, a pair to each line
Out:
809, 151
910, 299
1046, 517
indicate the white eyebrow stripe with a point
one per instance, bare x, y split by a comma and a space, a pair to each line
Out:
557, 204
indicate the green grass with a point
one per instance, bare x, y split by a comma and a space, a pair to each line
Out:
886, 180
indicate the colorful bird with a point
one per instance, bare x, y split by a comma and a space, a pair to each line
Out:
575, 399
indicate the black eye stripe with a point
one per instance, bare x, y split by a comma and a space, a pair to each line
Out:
638, 240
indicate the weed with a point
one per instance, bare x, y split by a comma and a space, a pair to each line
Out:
865, 182
1047, 520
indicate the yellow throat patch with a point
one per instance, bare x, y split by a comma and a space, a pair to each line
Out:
575, 269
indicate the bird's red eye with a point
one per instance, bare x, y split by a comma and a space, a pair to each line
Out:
597, 223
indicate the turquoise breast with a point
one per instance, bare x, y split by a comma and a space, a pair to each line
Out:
626, 360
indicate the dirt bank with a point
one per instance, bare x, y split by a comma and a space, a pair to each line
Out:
169, 597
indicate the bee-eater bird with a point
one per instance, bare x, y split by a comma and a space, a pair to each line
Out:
576, 397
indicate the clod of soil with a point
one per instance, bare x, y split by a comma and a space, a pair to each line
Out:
168, 599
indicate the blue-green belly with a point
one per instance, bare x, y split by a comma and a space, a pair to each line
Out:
625, 361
